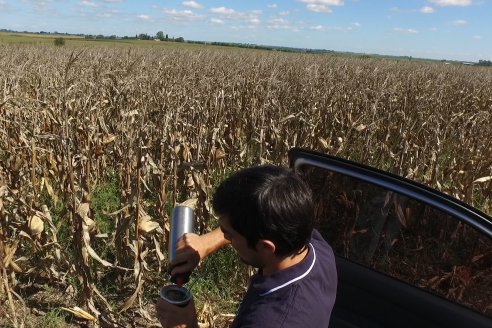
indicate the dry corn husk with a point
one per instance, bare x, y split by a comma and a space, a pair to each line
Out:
360, 127
324, 143
146, 225
83, 211
108, 139
189, 181
219, 154
79, 313
190, 203
484, 179
36, 225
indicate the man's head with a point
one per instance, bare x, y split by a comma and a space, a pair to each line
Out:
267, 203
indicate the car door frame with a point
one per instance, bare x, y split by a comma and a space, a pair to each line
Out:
365, 296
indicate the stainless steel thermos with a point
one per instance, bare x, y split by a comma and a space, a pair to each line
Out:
182, 221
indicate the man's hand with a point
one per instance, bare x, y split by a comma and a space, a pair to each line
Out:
174, 316
190, 249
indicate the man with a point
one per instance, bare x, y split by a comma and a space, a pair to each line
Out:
266, 213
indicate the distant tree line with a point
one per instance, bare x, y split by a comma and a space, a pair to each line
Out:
41, 32
261, 47
483, 62
160, 35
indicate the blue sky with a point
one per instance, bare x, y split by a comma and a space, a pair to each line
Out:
440, 29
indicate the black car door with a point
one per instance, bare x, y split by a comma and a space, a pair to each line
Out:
407, 255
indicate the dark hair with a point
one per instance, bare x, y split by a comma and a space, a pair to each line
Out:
268, 202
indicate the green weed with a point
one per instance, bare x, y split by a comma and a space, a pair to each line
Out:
53, 319
105, 199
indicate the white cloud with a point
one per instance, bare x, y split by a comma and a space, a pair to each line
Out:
446, 3
324, 2
242, 27
318, 8
344, 29
405, 30
423, 10
104, 15
321, 6
182, 15
145, 17
460, 22
223, 11
273, 5
477, 37
4, 6
113, 1
278, 27
108, 14
88, 4
278, 23
216, 21
42, 6
317, 28
192, 4
427, 10
284, 13
251, 17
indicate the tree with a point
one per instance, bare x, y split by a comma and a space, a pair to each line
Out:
59, 41
160, 35
143, 36
483, 62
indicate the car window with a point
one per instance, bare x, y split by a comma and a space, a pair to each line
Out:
403, 237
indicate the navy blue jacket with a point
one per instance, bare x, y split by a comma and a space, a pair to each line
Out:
300, 296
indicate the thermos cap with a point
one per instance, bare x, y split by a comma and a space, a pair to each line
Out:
175, 295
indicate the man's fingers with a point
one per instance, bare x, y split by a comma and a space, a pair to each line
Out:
187, 257
183, 262
185, 240
181, 243
184, 268
183, 256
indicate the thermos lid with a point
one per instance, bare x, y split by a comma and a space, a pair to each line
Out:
175, 295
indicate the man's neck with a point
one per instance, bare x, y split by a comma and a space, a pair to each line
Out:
278, 264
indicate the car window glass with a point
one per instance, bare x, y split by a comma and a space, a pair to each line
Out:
403, 237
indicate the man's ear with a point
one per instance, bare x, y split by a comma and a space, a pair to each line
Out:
266, 246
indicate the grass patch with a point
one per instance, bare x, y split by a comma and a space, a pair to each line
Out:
106, 199
220, 280
53, 319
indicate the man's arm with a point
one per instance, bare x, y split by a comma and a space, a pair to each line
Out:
192, 248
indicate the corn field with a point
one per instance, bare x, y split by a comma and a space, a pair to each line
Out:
165, 126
